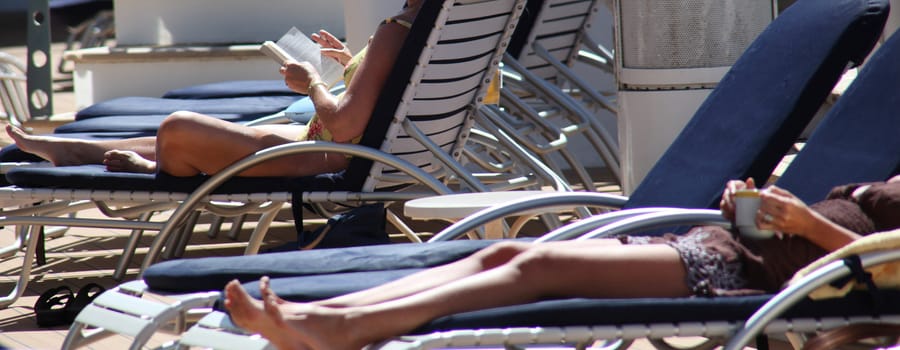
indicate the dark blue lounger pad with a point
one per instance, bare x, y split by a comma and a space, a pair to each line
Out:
233, 88
598, 312
332, 265
96, 177
249, 107
763, 103
12, 153
134, 123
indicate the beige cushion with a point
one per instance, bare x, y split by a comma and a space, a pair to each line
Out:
884, 275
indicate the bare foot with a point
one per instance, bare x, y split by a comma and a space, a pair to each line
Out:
57, 150
249, 315
128, 161
317, 328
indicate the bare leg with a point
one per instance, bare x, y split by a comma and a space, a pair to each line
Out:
189, 144
541, 271
63, 151
485, 259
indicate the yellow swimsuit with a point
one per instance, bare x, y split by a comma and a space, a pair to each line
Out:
315, 130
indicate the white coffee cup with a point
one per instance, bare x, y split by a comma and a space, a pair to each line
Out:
746, 204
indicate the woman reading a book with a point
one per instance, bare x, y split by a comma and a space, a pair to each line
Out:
189, 143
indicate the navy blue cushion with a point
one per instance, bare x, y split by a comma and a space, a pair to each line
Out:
861, 133
96, 177
318, 287
234, 88
599, 312
214, 272
133, 123
763, 103
12, 152
249, 107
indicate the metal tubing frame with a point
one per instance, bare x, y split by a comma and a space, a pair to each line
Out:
215, 181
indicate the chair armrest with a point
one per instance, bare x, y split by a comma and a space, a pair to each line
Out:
584, 226
529, 204
659, 219
187, 207
785, 299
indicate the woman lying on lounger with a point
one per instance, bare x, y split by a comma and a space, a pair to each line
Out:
705, 261
188, 143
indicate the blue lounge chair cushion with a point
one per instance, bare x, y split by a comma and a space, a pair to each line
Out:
96, 177
234, 88
749, 116
131, 123
214, 272
12, 152
865, 140
248, 107
599, 312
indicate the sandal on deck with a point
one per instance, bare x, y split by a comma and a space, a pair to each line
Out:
85, 296
51, 308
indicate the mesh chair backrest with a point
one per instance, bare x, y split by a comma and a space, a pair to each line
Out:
761, 105
558, 26
859, 139
438, 82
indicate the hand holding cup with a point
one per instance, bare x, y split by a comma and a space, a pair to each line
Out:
747, 202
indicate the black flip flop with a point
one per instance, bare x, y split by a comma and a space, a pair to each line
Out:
85, 296
51, 308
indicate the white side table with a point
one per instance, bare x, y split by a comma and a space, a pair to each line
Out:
458, 206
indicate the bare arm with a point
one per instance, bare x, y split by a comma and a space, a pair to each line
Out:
347, 117
789, 214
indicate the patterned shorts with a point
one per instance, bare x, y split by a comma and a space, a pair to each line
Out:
707, 270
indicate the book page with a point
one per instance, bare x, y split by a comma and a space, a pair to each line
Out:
302, 48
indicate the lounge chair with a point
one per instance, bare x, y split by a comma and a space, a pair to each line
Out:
208, 274
436, 85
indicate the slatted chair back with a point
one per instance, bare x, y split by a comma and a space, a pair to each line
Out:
436, 87
13, 93
557, 26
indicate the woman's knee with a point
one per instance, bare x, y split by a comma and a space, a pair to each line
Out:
535, 264
500, 253
179, 122
178, 128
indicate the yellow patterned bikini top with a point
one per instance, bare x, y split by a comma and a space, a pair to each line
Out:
315, 129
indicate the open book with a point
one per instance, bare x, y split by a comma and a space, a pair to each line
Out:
296, 46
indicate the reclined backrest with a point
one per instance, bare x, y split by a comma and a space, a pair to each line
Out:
12, 89
763, 103
437, 84
558, 26
859, 139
